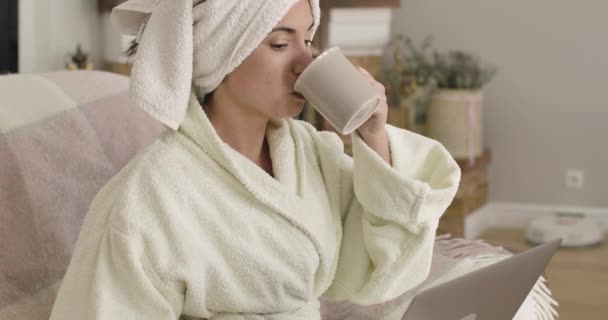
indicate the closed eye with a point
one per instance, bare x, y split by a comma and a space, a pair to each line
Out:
278, 46
308, 43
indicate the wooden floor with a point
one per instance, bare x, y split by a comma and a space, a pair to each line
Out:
577, 277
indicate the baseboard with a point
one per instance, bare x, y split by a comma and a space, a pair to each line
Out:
517, 215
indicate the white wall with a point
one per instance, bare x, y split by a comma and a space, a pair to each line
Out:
115, 44
49, 31
547, 109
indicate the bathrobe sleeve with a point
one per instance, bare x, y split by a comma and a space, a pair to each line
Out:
390, 215
110, 277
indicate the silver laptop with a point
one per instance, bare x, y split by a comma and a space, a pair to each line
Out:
494, 292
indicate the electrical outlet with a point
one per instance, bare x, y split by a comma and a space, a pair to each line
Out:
575, 179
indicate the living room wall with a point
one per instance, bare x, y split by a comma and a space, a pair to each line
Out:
50, 30
546, 109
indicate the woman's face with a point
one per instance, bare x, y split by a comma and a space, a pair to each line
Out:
263, 84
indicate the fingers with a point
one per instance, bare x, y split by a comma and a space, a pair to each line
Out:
379, 86
364, 71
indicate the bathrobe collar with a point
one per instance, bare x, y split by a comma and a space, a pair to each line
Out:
287, 182
285, 195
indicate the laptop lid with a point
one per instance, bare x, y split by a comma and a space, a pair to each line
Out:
494, 292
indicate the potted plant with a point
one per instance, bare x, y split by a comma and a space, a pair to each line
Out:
455, 108
406, 76
451, 107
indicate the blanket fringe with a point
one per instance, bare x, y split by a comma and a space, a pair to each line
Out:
481, 252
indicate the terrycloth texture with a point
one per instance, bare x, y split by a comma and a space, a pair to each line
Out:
191, 227
195, 42
63, 135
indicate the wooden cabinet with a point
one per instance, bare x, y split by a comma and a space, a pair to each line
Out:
359, 3
120, 68
108, 5
472, 194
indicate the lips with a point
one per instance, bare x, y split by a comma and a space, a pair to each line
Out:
298, 95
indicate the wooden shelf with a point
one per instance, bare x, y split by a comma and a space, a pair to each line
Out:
321, 38
107, 5
120, 68
360, 3
472, 194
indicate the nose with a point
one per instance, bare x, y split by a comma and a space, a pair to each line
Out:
303, 59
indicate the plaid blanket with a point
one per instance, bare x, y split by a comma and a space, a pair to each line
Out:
62, 136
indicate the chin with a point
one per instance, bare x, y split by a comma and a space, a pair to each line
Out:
290, 110
296, 110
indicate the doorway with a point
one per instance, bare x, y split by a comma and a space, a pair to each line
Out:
9, 36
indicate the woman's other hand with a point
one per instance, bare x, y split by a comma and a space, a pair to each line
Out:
373, 131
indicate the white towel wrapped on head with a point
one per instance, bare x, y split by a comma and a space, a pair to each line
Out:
192, 42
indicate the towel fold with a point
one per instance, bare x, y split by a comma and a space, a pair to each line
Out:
185, 43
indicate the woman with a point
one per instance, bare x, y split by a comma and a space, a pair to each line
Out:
243, 212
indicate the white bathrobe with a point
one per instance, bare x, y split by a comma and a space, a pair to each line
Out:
192, 229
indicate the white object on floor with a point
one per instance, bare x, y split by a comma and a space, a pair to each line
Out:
576, 229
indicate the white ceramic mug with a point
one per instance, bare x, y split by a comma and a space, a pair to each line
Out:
338, 91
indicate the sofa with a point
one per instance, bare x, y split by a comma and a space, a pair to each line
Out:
63, 135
